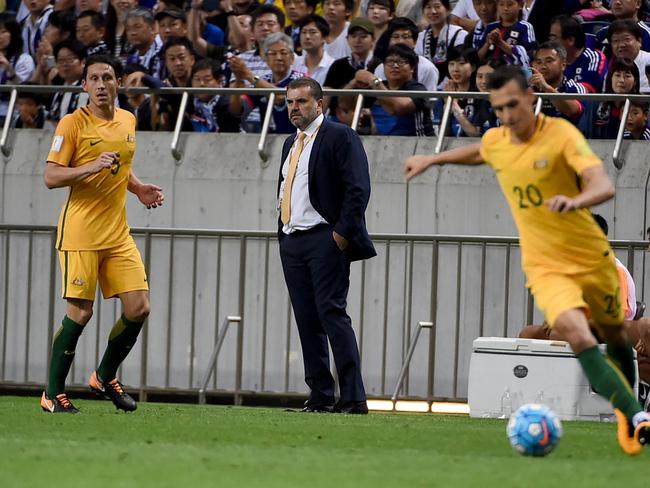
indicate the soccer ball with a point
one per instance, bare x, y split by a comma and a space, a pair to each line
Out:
534, 430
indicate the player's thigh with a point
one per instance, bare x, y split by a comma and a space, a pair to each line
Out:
79, 273
555, 293
602, 293
121, 270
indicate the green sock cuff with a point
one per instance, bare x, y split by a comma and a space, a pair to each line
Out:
130, 323
69, 323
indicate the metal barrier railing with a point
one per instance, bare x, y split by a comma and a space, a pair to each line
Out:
469, 286
359, 94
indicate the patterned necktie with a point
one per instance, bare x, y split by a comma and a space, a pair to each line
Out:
285, 207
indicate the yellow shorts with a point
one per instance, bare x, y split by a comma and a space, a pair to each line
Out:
597, 292
118, 269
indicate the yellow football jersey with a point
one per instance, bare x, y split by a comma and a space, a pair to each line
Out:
548, 164
94, 215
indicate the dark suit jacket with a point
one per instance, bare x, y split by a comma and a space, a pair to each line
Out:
339, 184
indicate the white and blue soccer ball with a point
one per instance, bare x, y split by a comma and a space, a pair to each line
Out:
534, 430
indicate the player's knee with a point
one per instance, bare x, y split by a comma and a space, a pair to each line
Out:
138, 311
80, 313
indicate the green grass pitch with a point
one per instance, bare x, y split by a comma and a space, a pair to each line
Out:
164, 445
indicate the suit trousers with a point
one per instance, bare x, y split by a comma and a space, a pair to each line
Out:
317, 274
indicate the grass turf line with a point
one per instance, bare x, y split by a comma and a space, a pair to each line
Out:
189, 445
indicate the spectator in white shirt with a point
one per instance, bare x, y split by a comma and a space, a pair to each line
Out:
336, 13
34, 25
314, 62
464, 15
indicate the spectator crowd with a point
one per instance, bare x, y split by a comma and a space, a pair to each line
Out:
564, 46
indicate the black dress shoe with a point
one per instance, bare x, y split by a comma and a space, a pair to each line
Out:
317, 408
359, 408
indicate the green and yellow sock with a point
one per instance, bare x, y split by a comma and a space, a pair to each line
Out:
623, 357
121, 340
63, 351
608, 381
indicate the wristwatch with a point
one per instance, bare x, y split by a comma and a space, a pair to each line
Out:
376, 82
256, 78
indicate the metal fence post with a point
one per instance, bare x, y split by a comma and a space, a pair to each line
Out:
409, 356
230, 319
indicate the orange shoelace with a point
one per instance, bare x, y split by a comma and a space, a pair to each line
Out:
63, 400
117, 386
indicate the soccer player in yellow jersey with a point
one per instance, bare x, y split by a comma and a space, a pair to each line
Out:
551, 177
91, 153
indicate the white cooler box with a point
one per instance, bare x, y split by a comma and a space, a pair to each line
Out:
505, 373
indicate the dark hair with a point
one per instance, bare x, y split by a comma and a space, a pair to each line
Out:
314, 87
103, 59
267, 8
627, 25
208, 63
445, 3
384, 3
131, 68
39, 99
96, 19
15, 46
78, 49
349, 5
320, 23
501, 76
176, 41
553, 46
570, 27
602, 223
645, 106
63, 20
623, 64
494, 63
467, 54
403, 51
402, 23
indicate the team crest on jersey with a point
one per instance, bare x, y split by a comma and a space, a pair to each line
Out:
130, 138
578, 71
540, 164
514, 34
78, 282
57, 142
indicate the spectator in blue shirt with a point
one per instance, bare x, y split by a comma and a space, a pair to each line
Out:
622, 79
548, 77
397, 116
487, 13
584, 65
462, 65
636, 126
509, 38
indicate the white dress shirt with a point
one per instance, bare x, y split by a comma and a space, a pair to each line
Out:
320, 73
303, 214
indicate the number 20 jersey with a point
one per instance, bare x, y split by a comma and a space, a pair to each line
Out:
94, 214
531, 173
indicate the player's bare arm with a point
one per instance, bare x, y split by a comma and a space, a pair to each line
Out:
470, 154
57, 176
150, 195
597, 188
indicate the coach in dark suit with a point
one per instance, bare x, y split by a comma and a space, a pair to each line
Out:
323, 193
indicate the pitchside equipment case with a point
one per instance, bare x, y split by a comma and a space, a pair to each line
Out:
506, 373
